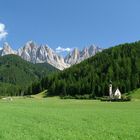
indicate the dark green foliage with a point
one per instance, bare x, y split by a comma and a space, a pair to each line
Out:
123, 99
16, 74
121, 64
85, 97
7, 89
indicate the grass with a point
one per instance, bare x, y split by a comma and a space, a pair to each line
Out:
135, 94
55, 119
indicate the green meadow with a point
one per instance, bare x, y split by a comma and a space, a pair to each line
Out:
56, 119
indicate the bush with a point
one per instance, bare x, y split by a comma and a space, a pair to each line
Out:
123, 99
67, 97
81, 97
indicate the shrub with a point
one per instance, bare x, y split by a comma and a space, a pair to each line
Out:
67, 97
123, 99
81, 97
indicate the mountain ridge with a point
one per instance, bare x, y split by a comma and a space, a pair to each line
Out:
43, 53
76, 56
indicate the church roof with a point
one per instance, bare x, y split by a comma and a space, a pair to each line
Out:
116, 90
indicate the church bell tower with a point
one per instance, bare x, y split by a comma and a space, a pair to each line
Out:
110, 89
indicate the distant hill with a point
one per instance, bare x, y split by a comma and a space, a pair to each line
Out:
120, 64
16, 73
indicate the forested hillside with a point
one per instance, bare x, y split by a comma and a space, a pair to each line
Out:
120, 64
16, 74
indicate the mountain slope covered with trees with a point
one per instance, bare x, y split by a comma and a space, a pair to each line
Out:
16, 74
120, 64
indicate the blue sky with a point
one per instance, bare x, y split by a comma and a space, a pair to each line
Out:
69, 23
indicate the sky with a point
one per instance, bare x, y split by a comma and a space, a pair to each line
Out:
66, 24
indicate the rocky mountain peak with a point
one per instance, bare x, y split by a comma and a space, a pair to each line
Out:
77, 56
6, 46
93, 50
30, 45
6, 50
75, 53
72, 57
28, 51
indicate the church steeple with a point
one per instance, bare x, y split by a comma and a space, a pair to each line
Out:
110, 89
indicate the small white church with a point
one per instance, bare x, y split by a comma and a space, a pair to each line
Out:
116, 94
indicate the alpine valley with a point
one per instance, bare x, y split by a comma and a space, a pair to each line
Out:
30, 63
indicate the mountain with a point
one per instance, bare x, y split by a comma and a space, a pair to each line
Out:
120, 64
41, 54
28, 52
77, 56
16, 73
72, 57
6, 50
44, 54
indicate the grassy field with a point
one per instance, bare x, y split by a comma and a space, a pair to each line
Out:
55, 119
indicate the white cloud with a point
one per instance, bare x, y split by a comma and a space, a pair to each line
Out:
3, 32
61, 49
